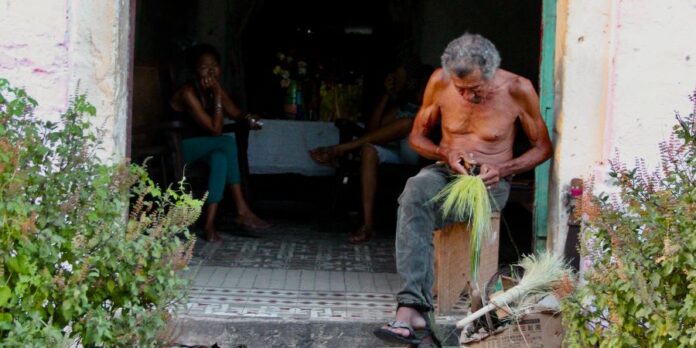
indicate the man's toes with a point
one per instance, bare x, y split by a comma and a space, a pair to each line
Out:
398, 331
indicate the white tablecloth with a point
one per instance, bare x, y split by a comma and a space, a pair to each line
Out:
283, 146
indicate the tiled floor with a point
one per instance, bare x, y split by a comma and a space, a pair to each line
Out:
295, 272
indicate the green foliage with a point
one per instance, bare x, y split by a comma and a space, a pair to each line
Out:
465, 198
640, 243
74, 265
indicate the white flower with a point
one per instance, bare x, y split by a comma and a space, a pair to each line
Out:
66, 266
284, 83
285, 74
277, 70
280, 56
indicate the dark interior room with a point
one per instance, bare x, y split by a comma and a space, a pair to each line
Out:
347, 48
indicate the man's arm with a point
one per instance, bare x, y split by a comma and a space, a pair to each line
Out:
534, 128
425, 121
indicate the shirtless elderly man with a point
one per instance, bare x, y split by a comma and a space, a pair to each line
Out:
478, 105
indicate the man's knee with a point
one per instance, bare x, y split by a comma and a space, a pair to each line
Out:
420, 188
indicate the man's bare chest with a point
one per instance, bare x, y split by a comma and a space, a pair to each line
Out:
492, 116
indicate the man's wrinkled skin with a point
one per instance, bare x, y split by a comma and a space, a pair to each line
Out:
478, 118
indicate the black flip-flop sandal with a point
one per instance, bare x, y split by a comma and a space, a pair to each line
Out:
414, 336
429, 323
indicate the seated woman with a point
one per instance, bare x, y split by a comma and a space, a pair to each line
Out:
386, 140
202, 105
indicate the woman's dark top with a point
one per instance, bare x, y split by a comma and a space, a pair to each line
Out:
191, 128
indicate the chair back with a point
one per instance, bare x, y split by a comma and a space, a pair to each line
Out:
154, 135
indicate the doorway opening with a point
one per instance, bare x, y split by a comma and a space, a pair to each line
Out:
351, 43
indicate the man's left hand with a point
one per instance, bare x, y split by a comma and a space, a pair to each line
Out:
490, 174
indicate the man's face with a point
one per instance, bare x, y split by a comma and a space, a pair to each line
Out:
472, 87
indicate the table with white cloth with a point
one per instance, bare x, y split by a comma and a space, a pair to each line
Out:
282, 146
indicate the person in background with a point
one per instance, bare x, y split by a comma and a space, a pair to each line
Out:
385, 140
202, 105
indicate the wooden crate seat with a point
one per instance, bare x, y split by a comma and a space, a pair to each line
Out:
452, 262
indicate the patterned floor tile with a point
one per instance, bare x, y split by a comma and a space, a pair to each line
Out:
294, 271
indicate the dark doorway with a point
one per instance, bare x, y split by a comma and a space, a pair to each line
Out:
346, 40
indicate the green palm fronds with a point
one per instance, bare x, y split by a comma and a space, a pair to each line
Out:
466, 199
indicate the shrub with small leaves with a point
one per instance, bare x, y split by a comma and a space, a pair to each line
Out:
75, 266
639, 244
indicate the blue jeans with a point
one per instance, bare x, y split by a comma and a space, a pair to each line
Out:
417, 218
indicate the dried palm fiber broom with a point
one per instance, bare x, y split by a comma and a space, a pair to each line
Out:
541, 273
466, 198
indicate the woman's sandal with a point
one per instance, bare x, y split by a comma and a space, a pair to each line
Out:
215, 238
414, 336
362, 235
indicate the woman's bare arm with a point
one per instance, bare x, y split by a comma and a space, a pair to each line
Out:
212, 123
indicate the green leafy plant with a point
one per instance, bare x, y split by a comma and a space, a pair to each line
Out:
639, 246
465, 198
75, 266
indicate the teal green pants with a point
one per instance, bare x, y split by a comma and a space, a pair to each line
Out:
220, 153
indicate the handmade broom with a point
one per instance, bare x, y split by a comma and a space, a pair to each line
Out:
541, 273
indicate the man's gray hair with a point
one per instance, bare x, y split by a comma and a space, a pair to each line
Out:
468, 52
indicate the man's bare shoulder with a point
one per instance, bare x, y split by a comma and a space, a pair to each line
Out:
439, 79
517, 85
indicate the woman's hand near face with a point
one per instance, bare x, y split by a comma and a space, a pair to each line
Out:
210, 83
215, 86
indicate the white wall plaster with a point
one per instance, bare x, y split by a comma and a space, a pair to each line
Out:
622, 72
583, 64
34, 42
48, 47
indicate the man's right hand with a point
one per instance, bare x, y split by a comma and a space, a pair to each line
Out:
455, 158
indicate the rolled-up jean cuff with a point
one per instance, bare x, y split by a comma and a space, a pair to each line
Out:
407, 301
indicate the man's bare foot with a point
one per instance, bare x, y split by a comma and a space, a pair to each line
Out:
212, 235
406, 319
251, 221
361, 235
410, 316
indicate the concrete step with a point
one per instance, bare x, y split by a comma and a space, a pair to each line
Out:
265, 332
